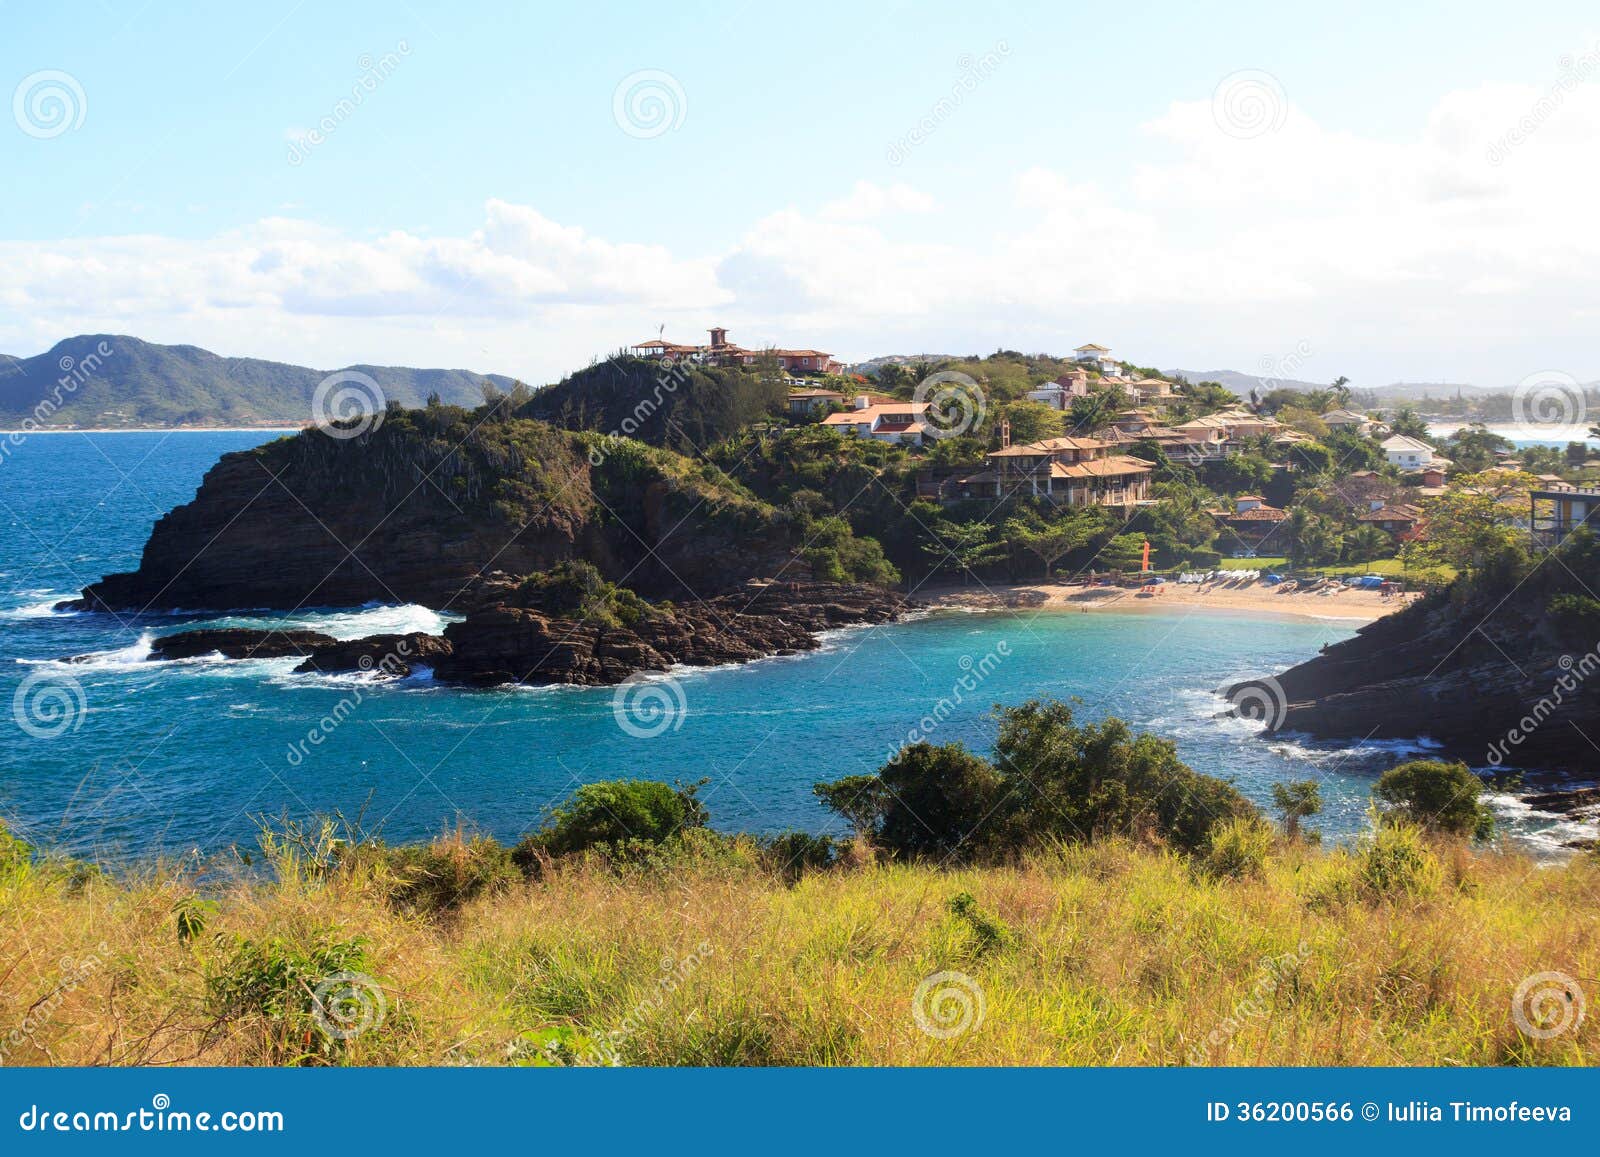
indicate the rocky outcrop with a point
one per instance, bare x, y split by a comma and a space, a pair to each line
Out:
1490, 676
392, 655
515, 644
507, 643
428, 506
240, 643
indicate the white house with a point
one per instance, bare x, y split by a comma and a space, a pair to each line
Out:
1409, 453
883, 420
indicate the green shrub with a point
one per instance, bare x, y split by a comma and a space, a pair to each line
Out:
1238, 848
926, 801
1052, 780
449, 872
1576, 614
16, 856
1396, 861
1438, 796
990, 932
614, 812
305, 993
1205, 559
794, 854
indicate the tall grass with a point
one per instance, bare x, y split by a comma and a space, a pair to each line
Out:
1400, 951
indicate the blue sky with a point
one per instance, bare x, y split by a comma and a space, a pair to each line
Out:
483, 206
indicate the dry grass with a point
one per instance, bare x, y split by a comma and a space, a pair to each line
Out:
1097, 955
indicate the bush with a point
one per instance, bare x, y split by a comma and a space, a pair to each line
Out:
794, 854
1052, 780
449, 872
614, 812
1238, 848
1396, 861
926, 801
1438, 796
1576, 614
1205, 559
308, 996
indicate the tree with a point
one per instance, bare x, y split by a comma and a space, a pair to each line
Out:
1054, 540
1097, 410
1408, 422
1295, 801
926, 801
1474, 448
967, 544
617, 811
1341, 390
1439, 796
1031, 421
1124, 552
1052, 779
1366, 543
1472, 523
1307, 538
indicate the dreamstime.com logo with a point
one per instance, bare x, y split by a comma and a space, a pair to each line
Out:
1549, 398
1258, 700
1273, 971
347, 1004
48, 704
1573, 675
347, 404
671, 373
649, 103
1249, 103
948, 1004
955, 404
974, 673
646, 706
1547, 1004
48, 103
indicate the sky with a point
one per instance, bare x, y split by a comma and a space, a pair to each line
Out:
1386, 192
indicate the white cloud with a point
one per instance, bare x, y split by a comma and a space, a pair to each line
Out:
1458, 247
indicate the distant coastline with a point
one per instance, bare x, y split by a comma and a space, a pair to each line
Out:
264, 428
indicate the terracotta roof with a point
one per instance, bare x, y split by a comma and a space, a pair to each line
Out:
1257, 514
1112, 467
815, 394
1048, 446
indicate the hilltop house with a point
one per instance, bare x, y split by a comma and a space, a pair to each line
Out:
721, 352
1069, 471
1411, 453
883, 419
1098, 356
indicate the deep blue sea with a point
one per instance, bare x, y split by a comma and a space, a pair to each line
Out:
122, 757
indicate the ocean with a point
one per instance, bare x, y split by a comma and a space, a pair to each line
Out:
118, 757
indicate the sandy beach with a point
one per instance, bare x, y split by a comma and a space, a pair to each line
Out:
1170, 598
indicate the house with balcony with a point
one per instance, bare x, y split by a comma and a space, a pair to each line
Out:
1553, 513
1342, 419
1069, 471
1402, 522
809, 401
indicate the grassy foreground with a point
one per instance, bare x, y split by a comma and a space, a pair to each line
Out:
1399, 952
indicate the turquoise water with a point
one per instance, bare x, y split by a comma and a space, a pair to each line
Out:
172, 756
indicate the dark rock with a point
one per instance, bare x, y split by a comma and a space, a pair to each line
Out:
394, 656
511, 644
240, 643
1490, 679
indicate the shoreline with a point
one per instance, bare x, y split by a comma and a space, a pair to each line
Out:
274, 427
1253, 600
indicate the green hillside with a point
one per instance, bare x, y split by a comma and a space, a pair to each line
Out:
113, 380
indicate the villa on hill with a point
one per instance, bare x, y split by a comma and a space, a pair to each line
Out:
721, 352
1411, 453
1068, 471
1251, 521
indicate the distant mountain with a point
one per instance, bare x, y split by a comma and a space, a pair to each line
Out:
1242, 384
108, 380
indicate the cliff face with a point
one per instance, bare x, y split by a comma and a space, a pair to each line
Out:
1490, 674
438, 507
